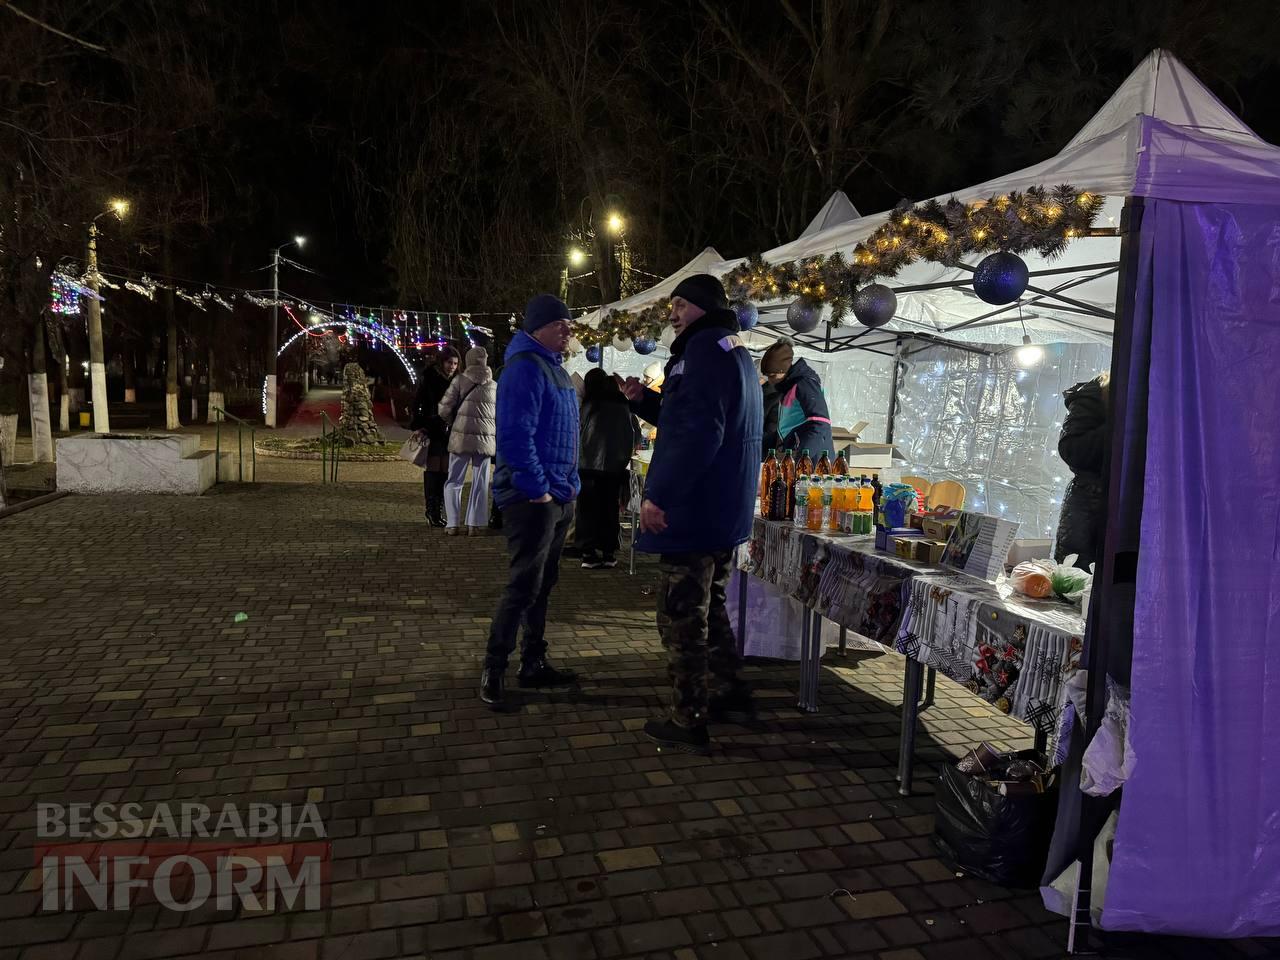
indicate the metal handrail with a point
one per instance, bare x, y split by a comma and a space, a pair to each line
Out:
328, 449
217, 446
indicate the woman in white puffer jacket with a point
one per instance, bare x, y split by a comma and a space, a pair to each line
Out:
470, 405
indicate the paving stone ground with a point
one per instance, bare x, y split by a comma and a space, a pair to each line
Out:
550, 831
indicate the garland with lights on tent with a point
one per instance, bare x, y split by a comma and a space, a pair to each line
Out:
1043, 220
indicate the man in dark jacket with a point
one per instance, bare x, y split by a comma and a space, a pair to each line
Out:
609, 440
803, 420
1083, 447
535, 485
698, 500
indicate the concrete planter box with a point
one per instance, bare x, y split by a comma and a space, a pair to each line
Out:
134, 463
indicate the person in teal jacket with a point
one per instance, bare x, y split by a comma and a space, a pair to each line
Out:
698, 502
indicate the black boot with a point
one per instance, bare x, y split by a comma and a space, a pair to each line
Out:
539, 673
733, 706
491, 686
669, 734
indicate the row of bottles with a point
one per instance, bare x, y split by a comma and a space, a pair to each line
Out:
821, 497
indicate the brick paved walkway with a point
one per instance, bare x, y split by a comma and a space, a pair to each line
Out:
554, 831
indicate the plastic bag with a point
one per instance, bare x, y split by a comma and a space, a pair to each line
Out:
1109, 759
1033, 578
1069, 581
996, 830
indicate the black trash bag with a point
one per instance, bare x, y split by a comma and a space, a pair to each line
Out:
1001, 837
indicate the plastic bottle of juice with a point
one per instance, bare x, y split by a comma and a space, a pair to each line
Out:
788, 468
779, 496
815, 503
767, 471
848, 494
836, 512
840, 468
823, 469
828, 488
805, 465
800, 493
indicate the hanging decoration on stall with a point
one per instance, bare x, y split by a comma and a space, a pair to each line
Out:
803, 315
594, 353
1043, 220
1001, 278
645, 346
748, 313
623, 324
875, 304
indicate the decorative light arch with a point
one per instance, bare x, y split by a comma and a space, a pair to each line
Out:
364, 328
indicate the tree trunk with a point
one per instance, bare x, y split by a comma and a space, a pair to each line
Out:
38, 393
129, 360
171, 421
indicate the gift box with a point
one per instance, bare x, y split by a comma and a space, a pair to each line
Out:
905, 547
936, 529
929, 551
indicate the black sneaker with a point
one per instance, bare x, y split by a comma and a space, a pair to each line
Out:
539, 673
669, 734
609, 562
491, 691
591, 561
733, 706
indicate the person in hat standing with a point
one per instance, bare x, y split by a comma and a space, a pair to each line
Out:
698, 501
535, 486
431, 427
803, 420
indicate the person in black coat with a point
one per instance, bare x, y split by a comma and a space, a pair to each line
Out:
1083, 447
608, 439
435, 380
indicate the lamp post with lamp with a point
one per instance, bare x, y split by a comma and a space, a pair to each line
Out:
271, 388
97, 354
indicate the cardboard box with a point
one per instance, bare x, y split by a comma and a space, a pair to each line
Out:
930, 551
905, 547
1029, 550
863, 457
936, 529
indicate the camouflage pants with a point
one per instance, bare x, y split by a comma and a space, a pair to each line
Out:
702, 653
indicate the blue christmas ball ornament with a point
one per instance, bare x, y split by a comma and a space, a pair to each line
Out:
645, 345
748, 314
874, 305
1001, 278
803, 316
593, 353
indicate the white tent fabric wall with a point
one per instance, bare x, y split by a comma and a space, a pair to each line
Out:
994, 427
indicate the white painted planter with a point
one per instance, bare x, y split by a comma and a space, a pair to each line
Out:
134, 463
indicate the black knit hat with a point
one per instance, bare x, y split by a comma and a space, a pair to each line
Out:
702, 290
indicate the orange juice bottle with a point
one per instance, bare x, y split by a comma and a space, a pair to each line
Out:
788, 469
840, 468
815, 503
805, 464
838, 493
768, 470
823, 469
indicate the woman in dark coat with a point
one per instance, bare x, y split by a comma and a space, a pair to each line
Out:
607, 440
435, 380
1083, 447
803, 420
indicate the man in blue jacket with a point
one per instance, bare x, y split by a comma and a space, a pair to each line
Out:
699, 497
535, 486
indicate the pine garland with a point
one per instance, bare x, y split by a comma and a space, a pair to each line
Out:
1043, 220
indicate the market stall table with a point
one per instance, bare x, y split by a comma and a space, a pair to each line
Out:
1014, 652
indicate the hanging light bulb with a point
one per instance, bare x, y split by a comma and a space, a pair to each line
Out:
1029, 354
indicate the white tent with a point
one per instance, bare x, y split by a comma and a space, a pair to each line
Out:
705, 260
1163, 134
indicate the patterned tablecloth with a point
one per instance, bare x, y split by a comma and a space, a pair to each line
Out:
1014, 652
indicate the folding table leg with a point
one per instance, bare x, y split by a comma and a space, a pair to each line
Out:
815, 662
804, 660
742, 612
844, 640
930, 679
910, 711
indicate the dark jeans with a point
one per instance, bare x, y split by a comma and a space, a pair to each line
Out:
433, 490
535, 536
702, 653
598, 509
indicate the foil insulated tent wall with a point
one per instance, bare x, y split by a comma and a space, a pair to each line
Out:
986, 422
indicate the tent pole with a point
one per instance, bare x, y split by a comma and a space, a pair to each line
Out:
898, 367
1098, 637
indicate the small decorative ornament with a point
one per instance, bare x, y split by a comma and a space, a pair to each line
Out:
875, 304
621, 344
593, 353
803, 315
645, 346
748, 313
1001, 278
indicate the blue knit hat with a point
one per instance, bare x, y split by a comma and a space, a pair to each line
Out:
544, 309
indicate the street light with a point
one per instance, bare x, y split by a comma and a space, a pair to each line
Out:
615, 223
576, 257
273, 346
97, 355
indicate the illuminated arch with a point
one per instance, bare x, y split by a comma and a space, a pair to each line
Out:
363, 328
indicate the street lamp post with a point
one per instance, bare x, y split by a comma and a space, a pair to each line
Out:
273, 345
97, 354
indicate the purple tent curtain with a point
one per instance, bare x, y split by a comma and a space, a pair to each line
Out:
1197, 849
